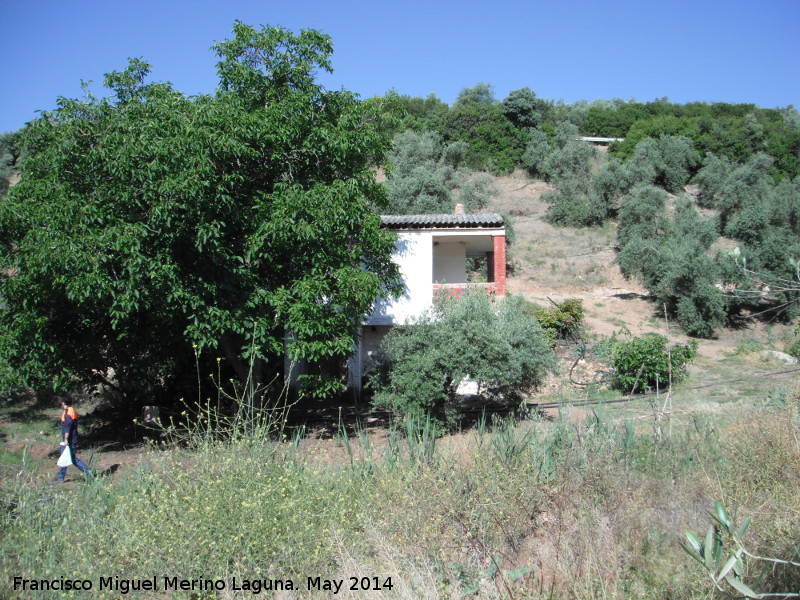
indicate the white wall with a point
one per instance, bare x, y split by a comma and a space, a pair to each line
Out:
449, 262
414, 256
371, 338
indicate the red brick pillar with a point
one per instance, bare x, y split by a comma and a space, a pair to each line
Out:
499, 264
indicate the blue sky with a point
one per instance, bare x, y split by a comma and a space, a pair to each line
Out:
726, 51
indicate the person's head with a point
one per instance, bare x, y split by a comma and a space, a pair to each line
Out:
65, 401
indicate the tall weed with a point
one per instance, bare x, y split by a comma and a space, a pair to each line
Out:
568, 508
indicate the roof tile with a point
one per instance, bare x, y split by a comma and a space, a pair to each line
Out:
450, 221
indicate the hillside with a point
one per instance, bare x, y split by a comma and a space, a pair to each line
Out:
551, 263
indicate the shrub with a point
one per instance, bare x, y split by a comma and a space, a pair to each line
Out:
428, 176
678, 161
493, 142
685, 285
747, 185
680, 279
667, 161
794, 349
562, 321
568, 207
537, 150
7, 160
570, 159
524, 109
750, 224
785, 205
494, 343
562, 158
647, 362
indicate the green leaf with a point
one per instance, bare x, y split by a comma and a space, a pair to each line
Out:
743, 528
491, 570
708, 549
692, 552
696, 546
740, 587
471, 589
728, 566
738, 569
722, 514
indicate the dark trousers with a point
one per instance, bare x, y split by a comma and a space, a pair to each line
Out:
62, 471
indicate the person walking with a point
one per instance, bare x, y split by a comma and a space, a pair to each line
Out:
69, 437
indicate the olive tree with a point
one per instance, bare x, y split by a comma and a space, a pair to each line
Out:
670, 258
667, 162
428, 176
492, 342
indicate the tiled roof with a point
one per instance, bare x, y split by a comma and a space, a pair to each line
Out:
451, 221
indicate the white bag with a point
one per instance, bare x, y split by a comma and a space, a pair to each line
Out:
65, 459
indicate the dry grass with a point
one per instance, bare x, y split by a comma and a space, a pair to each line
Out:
592, 508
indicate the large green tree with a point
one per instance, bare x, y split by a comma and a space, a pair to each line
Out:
525, 110
150, 228
493, 142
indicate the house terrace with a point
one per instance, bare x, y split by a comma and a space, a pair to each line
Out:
432, 252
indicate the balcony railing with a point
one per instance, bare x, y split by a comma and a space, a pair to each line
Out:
456, 290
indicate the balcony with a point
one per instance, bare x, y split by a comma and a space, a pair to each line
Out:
456, 290
456, 258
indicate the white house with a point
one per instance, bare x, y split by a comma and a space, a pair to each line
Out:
432, 252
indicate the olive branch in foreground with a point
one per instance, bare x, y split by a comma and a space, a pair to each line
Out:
725, 557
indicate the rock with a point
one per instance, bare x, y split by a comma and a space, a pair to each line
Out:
782, 356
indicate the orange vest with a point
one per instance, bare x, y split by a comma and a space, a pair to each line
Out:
69, 411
